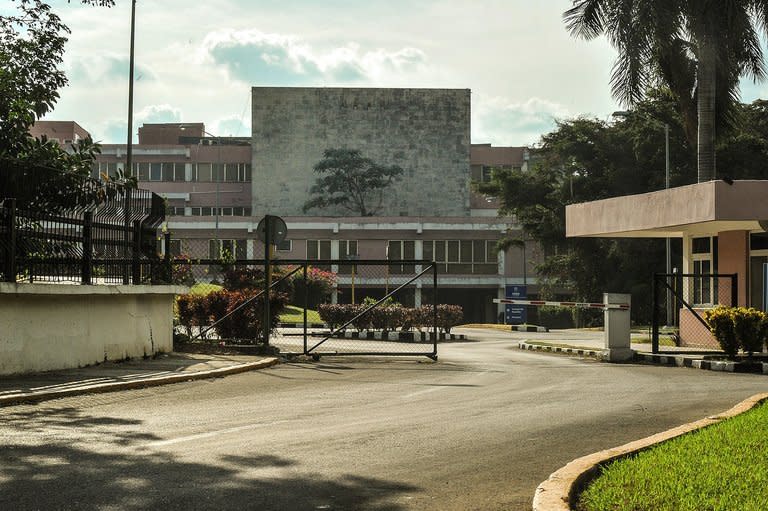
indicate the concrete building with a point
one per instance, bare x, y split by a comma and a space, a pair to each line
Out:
219, 188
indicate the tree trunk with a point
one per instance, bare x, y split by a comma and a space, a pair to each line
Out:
706, 108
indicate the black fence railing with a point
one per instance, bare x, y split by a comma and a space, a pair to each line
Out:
114, 241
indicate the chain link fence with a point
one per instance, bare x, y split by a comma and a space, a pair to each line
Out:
317, 308
679, 302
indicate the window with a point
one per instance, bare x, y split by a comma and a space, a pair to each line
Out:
401, 250
319, 249
465, 256
155, 171
175, 248
168, 170
703, 282
285, 246
347, 251
143, 171
204, 172
229, 248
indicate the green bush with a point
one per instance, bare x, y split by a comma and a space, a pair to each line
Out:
738, 328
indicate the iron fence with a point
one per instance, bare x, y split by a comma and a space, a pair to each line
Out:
114, 241
316, 308
679, 302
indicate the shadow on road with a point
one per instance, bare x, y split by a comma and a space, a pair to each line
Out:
106, 469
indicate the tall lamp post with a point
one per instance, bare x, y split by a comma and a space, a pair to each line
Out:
668, 254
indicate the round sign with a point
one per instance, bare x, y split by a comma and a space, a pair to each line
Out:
277, 229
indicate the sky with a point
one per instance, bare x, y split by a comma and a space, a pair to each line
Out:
197, 61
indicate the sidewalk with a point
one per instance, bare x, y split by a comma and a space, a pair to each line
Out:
112, 376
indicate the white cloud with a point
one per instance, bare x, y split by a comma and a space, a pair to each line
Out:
506, 123
258, 58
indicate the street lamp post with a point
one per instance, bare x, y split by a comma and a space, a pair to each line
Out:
668, 252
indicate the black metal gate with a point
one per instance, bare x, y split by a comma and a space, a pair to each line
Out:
682, 298
330, 307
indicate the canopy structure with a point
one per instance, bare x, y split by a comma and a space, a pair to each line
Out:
694, 210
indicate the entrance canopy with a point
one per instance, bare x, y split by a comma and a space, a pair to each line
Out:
703, 208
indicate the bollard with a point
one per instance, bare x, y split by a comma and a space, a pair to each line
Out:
617, 334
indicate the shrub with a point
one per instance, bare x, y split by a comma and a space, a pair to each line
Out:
449, 316
239, 277
184, 310
181, 272
721, 324
748, 327
333, 314
318, 287
246, 324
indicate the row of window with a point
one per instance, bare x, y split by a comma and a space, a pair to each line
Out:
199, 172
208, 211
452, 256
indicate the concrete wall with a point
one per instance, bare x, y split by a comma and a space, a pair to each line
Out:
425, 131
45, 327
733, 257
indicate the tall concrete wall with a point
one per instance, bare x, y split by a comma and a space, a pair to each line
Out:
425, 131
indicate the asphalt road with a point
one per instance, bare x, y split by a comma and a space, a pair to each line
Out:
477, 430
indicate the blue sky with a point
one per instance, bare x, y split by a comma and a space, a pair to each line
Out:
197, 61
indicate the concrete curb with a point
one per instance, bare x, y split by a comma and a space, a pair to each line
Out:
529, 328
560, 349
34, 397
560, 491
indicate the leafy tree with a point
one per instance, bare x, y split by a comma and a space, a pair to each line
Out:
31, 50
589, 159
351, 181
697, 48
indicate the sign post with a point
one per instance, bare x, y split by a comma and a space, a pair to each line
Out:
516, 314
271, 230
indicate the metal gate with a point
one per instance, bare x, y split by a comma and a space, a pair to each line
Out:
678, 304
329, 307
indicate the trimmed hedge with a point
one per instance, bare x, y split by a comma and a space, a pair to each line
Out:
245, 325
391, 317
738, 328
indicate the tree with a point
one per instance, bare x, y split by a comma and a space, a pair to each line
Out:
697, 48
44, 174
589, 159
351, 181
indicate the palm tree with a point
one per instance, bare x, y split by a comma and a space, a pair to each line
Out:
698, 48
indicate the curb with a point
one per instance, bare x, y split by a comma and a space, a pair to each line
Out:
529, 328
709, 365
397, 336
560, 490
560, 349
34, 397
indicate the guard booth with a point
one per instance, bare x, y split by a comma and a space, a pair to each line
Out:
721, 225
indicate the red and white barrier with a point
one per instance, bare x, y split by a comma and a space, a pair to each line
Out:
584, 305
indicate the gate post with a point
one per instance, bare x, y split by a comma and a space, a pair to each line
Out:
617, 333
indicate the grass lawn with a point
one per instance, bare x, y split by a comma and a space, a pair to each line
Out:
204, 289
293, 314
721, 467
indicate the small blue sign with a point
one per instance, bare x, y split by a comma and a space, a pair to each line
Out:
516, 314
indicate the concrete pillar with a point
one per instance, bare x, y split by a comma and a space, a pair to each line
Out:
617, 332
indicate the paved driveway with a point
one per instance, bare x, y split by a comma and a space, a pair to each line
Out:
477, 430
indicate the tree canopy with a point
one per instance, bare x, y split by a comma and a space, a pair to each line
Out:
699, 49
32, 42
351, 181
588, 159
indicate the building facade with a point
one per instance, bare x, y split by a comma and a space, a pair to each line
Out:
218, 188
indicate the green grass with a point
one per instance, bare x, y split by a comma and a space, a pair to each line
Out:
293, 314
663, 340
722, 467
204, 289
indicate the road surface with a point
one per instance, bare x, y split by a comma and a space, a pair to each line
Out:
477, 430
